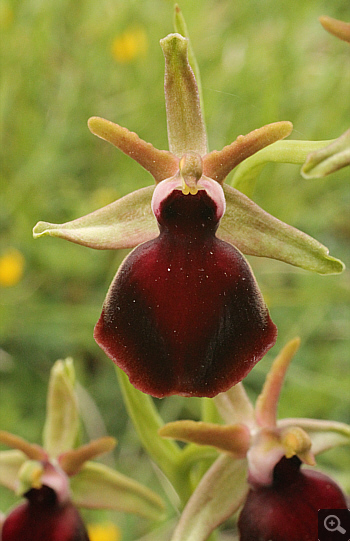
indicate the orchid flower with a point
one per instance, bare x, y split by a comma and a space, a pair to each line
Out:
259, 466
184, 314
57, 477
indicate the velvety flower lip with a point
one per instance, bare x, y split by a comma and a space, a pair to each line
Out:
42, 517
184, 314
287, 509
199, 317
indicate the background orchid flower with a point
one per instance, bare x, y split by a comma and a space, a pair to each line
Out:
256, 450
287, 509
184, 314
57, 477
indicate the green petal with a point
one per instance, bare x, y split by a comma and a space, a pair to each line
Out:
123, 224
98, 487
10, 464
255, 232
62, 415
324, 435
340, 29
186, 130
329, 159
233, 439
219, 163
267, 402
72, 460
160, 163
218, 495
31, 450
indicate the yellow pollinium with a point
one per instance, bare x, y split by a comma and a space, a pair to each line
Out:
297, 442
29, 476
191, 170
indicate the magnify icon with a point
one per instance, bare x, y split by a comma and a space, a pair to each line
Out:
332, 524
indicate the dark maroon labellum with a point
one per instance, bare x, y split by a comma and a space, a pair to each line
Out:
184, 314
41, 518
288, 509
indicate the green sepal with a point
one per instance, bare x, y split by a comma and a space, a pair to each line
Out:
180, 27
219, 494
10, 464
235, 407
98, 487
329, 159
186, 130
247, 172
255, 232
62, 414
123, 224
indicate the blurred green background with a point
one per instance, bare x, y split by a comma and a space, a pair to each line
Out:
65, 61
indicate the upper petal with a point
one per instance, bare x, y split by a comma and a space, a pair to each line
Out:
160, 163
267, 402
340, 29
218, 164
233, 439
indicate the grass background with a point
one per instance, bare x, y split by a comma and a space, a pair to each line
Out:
260, 62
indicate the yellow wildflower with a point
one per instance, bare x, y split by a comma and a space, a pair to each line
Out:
104, 531
129, 45
11, 267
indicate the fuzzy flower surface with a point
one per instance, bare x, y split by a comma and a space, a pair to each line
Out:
57, 478
259, 466
184, 314
287, 509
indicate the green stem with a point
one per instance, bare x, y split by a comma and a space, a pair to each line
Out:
147, 421
213, 536
209, 412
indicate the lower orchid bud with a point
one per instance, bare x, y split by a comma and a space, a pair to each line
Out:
42, 517
184, 314
287, 510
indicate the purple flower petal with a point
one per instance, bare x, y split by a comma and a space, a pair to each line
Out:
287, 510
42, 518
184, 314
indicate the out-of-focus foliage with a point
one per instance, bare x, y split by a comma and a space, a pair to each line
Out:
63, 62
